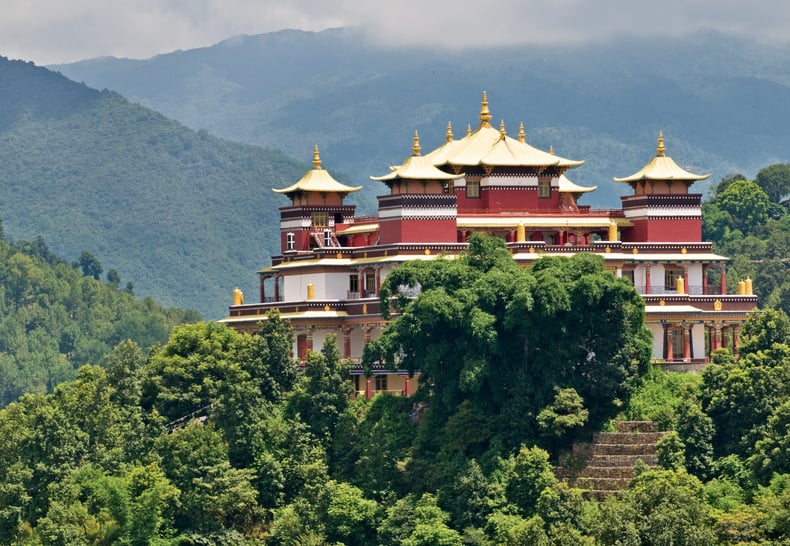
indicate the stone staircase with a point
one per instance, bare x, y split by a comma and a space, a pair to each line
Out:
606, 465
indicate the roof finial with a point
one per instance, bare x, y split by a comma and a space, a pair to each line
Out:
502, 132
660, 150
449, 135
522, 137
551, 149
468, 129
485, 114
316, 158
415, 149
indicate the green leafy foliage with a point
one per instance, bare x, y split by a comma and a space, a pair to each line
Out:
54, 320
502, 338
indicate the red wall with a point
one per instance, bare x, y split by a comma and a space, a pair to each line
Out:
668, 231
508, 199
417, 231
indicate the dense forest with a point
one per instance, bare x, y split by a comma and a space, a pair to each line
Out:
56, 316
185, 215
216, 437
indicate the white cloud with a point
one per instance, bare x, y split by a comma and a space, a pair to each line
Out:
50, 31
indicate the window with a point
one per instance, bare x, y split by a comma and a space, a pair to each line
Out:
320, 219
544, 187
290, 241
327, 238
381, 382
353, 283
473, 189
671, 277
370, 283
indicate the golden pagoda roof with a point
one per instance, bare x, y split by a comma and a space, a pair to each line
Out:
662, 167
416, 167
567, 186
318, 180
491, 147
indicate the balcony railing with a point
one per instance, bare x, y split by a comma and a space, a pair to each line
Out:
693, 290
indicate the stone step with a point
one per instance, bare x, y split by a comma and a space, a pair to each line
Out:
635, 426
569, 460
623, 449
623, 461
627, 437
602, 484
622, 472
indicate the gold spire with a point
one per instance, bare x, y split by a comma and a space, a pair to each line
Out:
522, 137
449, 136
551, 149
502, 130
316, 158
468, 129
485, 114
415, 149
660, 150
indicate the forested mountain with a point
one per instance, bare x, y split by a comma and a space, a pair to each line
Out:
56, 316
184, 215
722, 102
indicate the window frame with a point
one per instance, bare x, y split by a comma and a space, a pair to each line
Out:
544, 188
473, 189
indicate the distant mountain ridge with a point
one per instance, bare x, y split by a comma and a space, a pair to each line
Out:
722, 102
182, 214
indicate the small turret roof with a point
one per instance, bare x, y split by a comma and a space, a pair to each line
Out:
417, 167
318, 180
662, 167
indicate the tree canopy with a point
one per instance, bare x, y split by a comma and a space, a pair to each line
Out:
503, 337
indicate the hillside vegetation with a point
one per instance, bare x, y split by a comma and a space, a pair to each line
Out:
184, 215
722, 102
56, 317
219, 438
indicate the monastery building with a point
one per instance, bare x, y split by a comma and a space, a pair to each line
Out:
327, 276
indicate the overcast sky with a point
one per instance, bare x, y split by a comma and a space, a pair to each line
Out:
52, 31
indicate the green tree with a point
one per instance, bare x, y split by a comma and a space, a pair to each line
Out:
349, 518
762, 331
670, 451
191, 371
214, 495
772, 452
566, 412
775, 181
696, 431
323, 393
528, 474
662, 507
419, 521
502, 337
113, 277
747, 204
90, 265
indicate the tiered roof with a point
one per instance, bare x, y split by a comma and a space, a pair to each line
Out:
488, 147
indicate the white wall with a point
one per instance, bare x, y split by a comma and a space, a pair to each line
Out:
327, 286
